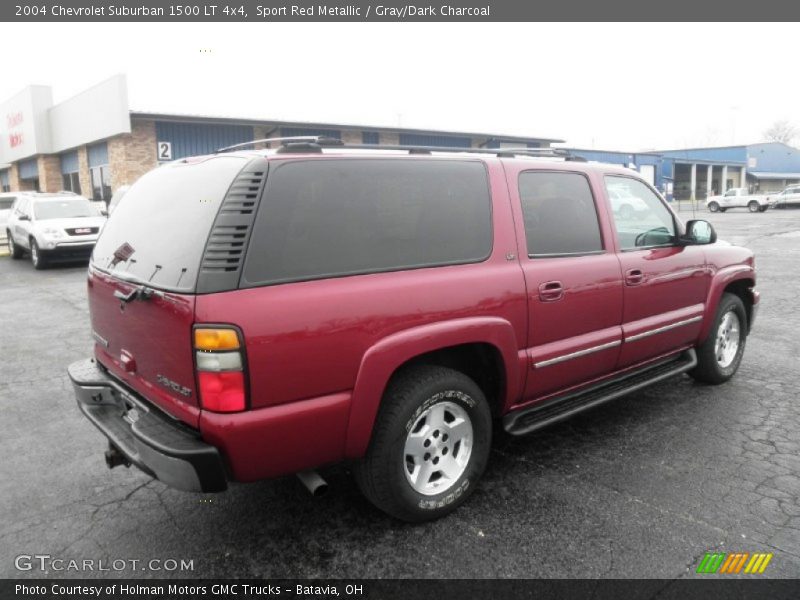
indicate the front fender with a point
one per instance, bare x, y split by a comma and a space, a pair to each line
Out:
386, 356
722, 279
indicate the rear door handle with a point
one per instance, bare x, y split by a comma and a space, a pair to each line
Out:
634, 276
550, 291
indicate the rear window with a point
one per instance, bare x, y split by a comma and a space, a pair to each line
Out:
329, 218
159, 233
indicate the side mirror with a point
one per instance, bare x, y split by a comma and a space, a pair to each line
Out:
104, 212
24, 217
699, 232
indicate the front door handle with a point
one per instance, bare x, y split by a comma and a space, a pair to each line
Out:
551, 291
634, 276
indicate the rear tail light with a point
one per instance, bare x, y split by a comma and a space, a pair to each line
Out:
220, 369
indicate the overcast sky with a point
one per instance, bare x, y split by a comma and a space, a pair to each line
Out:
609, 86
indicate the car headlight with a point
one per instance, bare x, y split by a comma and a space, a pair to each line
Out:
52, 233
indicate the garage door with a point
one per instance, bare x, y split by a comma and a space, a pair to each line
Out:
648, 173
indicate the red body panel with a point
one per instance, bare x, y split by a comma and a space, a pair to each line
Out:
320, 353
153, 336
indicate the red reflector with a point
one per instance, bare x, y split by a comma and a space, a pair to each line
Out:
222, 391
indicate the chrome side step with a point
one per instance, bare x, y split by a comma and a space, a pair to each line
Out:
531, 418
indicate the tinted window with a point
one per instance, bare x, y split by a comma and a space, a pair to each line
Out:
560, 215
642, 219
165, 222
6, 203
326, 218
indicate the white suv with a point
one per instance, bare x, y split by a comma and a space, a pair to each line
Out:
788, 197
53, 227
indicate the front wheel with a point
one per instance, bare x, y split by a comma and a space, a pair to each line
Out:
37, 259
713, 207
719, 356
429, 446
753, 206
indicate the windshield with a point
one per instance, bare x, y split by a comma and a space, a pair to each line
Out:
159, 233
68, 208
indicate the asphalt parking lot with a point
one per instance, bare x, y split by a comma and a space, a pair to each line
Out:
642, 487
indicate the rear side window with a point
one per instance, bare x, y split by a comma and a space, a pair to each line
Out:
159, 233
328, 218
560, 214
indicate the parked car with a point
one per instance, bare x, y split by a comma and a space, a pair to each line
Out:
117, 197
295, 308
788, 197
6, 202
738, 198
52, 227
626, 205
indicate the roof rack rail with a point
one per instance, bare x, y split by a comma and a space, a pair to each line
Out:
315, 143
320, 140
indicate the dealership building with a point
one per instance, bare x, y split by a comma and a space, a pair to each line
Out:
94, 143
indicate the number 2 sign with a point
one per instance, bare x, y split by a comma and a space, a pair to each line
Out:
164, 150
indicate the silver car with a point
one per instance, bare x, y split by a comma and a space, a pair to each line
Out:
788, 197
53, 227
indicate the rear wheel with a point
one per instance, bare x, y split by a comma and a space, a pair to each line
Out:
713, 207
430, 444
719, 356
13, 249
37, 259
753, 206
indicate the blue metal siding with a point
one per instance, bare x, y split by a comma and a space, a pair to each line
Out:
449, 141
193, 139
98, 155
29, 169
309, 131
370, 137
69, 162
534, 145
722, 155
774, 157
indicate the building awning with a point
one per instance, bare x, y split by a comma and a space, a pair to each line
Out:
773, 175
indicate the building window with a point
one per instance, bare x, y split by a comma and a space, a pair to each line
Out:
101, 183
370, 137
72, 182
4, 182
99, 172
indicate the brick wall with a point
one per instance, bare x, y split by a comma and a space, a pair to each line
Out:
133, 154
83, 173
50, 179
13, 178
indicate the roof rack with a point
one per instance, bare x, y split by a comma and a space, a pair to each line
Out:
317, 143
319, 140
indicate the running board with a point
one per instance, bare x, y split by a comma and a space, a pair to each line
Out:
525, 420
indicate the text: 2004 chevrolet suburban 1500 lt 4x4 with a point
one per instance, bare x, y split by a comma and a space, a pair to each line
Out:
261, 313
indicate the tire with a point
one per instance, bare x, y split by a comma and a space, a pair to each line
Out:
753, 206
763, 208
716, 363
39, 261
14, 250
412, 433
722, 209
713, 207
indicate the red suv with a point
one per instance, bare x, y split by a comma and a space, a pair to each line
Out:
261, 313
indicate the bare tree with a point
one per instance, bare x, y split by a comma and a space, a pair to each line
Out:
782, 131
